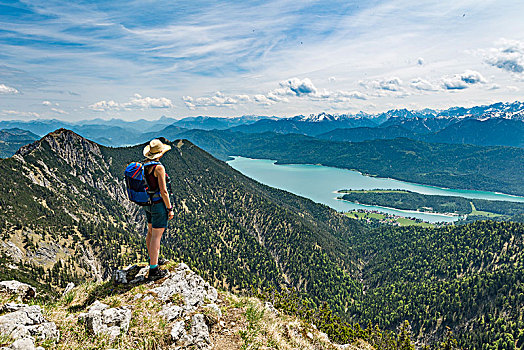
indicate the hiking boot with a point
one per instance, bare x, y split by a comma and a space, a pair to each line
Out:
156, 274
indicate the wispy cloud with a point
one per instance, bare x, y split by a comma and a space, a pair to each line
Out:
135, 102
20, 114
509, 56
106, 51
102, 106
423, 85
4, 89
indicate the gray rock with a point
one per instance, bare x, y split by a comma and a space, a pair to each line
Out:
46, 330
12, 251
102, 319
27, 322
23, 344
125, 275
23, 290
12, 307
171, 312
98, 306
200, 332
178, 331
194, 290
269, 307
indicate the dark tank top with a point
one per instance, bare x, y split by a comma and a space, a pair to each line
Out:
152, 181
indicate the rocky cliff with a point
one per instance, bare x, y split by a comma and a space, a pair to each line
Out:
182, 311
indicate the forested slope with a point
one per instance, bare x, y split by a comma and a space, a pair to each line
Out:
234, 231
469, 278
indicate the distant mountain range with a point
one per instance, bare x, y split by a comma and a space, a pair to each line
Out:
308, 125
487, 132
497, 124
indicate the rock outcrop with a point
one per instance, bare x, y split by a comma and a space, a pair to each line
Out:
24, 324
102, 319
22, 290
189, 302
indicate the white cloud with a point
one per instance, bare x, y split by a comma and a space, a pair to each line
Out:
344, 96
263, 100
188, 101
509, 56
423, 85
217, 100
388, 84
332, 79
59, 111
243, 98
136, 102
4, 89
463, 80
148, 102
20, 114
304, 88
299, 87
47, 103
103, 106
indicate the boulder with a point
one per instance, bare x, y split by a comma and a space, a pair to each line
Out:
200, 332
178, 331
12, 307
102, 319
193, 289
171, 312
23, 290
198, 335
126, 275
26, 322
23, 344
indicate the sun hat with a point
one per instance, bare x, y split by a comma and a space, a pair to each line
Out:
155, 149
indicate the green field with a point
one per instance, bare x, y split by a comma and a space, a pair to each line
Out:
475, 212
386, 219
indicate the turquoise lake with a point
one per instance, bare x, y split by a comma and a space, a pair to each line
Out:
319, 183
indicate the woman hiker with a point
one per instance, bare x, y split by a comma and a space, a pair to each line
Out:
160, 211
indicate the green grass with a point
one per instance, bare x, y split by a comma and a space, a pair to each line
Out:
378, 216
475, 212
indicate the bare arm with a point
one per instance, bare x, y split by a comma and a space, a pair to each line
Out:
160, 173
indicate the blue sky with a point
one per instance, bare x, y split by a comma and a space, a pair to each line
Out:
144, 59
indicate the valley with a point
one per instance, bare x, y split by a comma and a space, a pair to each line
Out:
241, 235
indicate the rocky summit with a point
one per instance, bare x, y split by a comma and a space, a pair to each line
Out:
181, 311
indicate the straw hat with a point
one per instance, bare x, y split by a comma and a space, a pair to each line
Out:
155, 149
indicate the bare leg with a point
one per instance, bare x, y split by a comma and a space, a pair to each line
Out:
148, 237
154, 245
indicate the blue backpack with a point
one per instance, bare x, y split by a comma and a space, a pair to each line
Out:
136, 184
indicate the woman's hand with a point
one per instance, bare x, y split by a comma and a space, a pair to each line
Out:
170, 214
